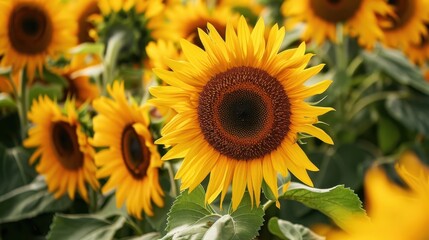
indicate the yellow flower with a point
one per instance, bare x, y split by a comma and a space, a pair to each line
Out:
407, 25
418, 54
396, 213
240, 105
131, 160
79, 87
183, 21
32, 30
66, 157
84, 10
322, 16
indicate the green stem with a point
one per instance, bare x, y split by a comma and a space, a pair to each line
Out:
354, 65
268, 204
173, 190
364, 102
134, 226
22, 99
93, 198
341, 55
114, 46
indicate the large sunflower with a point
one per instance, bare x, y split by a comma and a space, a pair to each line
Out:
66, 157
32, 30
407, 25
183, 21
322, 16
240, 106
418, 54
131, 160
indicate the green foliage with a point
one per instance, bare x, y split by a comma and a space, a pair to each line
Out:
89, 48
388, 134
286, 230
191, 218
29, 201
14, 169
412, 112
339, 203
84, 227
52, 91
6, 102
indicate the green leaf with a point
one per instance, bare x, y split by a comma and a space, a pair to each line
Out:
159, 220
338, 203
14, 169
89, 48
411, 112
52, 91
6, 102
388, 134
191, 218
289, 231
54, 78
29, 201
147, 236
398, 67
83, 227
5, 71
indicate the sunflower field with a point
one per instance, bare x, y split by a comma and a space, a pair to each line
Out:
214, 119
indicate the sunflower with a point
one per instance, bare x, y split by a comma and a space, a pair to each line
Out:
6, 86
183, 21
131, 160
30, 31
84, 9
418, 54
79, 87
138, 20
322, 16
407, 25
388, 203
240, 106
66, 157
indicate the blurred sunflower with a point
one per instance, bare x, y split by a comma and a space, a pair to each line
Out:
6, 86
131, 160
84, 10
32, 30
140, 21
407, 25
66, 157
79, 87
390, 204
240, 105
322, 16
183, 21
418, 54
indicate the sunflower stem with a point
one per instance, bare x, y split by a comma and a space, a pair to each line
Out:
341, 49
114, 46
268, 205
22, 98
173, 190
134, 226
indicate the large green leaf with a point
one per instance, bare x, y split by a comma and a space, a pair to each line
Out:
83, 227
411, 112
29, 201
338, 203
288, 231
14, 169
52, 91
191, 218
159, 220
398, 67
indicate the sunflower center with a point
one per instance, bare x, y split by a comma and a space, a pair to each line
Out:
244, 113
404, 10
135, 153
30, 29
335, 10
84, 25
67, 146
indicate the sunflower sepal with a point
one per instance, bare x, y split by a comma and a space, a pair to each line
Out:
190, 216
